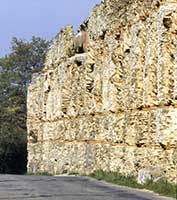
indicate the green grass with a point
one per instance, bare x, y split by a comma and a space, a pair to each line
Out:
73, 173
161, 187
39, 174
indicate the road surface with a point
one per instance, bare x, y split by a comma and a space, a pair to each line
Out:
66, 188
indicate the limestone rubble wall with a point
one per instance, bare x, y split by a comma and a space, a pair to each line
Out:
113, 107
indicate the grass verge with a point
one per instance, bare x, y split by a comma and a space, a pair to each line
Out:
162, 187
39, 174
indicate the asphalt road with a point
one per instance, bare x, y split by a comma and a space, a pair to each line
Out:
66, 188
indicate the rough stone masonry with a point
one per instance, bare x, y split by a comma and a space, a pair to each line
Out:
113, 104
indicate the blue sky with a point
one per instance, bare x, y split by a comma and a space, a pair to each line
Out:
43, 18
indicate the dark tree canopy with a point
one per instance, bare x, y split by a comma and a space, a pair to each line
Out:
15, 74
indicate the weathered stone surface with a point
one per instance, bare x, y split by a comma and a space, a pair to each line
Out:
151, 173
114, 106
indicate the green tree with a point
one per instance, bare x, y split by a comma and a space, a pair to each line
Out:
15, 75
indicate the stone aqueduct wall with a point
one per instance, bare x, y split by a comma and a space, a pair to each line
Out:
113, 107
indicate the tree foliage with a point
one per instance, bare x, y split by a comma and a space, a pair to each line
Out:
15, 74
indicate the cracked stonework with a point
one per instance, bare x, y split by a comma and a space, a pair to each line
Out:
113, 105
